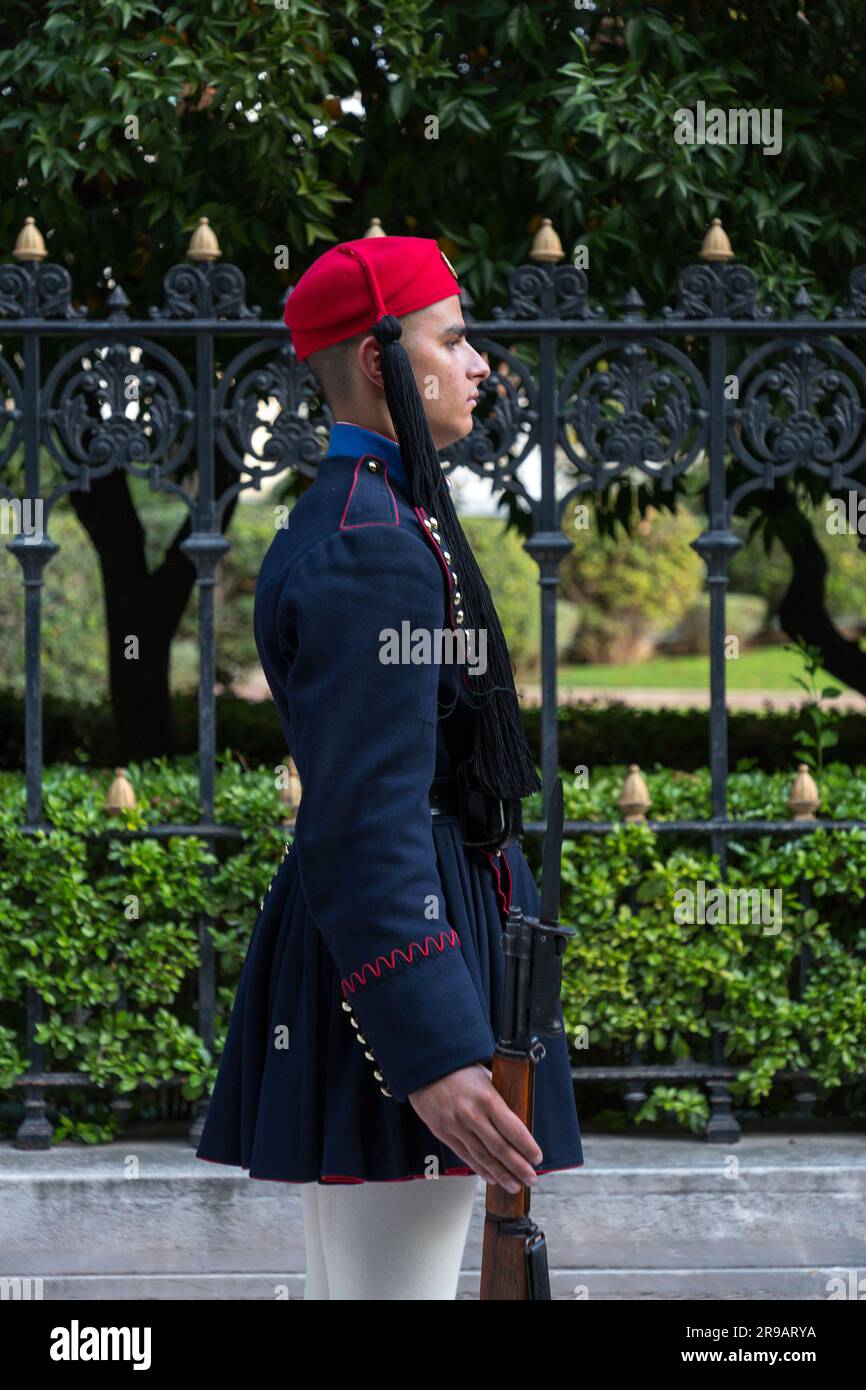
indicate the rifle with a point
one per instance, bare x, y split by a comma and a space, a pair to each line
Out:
514, 1258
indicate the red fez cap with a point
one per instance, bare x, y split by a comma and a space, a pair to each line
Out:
351, 286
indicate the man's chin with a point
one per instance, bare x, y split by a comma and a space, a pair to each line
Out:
445, 436
465, 428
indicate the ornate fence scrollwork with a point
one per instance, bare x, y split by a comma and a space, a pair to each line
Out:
604, 400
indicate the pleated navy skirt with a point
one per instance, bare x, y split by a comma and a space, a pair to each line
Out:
312, 1111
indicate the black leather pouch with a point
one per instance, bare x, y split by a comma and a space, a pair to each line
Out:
486, 821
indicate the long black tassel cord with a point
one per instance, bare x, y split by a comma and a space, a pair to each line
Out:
502, 759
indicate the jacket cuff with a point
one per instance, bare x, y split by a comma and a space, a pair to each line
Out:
421, 1021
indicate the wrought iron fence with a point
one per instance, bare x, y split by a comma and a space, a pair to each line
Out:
619, 399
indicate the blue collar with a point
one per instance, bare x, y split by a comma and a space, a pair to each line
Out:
356, 440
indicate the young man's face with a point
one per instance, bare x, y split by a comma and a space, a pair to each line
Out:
448, 370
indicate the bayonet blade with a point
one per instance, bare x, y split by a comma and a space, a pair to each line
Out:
551, 865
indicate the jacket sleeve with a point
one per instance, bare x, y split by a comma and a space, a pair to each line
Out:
365, 749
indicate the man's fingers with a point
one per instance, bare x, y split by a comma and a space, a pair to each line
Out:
466, 1141
471, 1117
487, 1164
504, 1153
512, 1129
471, 1159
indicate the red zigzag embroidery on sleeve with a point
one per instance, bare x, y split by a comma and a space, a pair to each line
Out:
450, 938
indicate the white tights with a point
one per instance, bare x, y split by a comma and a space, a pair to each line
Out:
386, 1240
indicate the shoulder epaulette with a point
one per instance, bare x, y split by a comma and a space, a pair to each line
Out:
370, 501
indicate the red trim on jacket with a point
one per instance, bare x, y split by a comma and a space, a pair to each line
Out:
338, 1178
495, 862
439, 942
421, 514
356, 525
510, 883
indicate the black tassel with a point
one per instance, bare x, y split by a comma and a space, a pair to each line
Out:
502, 759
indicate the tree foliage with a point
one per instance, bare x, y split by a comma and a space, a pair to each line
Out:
294, 124
290, 125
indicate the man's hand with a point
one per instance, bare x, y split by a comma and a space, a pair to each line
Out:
465, 1111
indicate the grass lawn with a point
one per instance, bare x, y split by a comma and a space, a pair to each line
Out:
764, 668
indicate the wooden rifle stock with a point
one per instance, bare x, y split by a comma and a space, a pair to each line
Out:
504, 1266
514, 1257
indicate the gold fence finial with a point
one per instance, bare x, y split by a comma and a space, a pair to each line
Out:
30, 245
546, 245
634, 799
805, 797
203, 244
716, 245
120, 796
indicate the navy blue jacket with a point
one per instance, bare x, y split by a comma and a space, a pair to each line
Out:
356, 559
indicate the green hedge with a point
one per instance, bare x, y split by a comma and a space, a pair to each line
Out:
599, 735
589, 732
635, 973
106, 931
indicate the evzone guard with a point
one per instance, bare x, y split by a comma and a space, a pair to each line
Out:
358, 1056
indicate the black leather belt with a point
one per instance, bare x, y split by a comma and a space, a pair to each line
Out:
444, 801
443, 797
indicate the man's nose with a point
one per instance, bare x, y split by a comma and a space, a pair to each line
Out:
480, 369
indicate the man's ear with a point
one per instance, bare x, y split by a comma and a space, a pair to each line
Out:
369, 360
